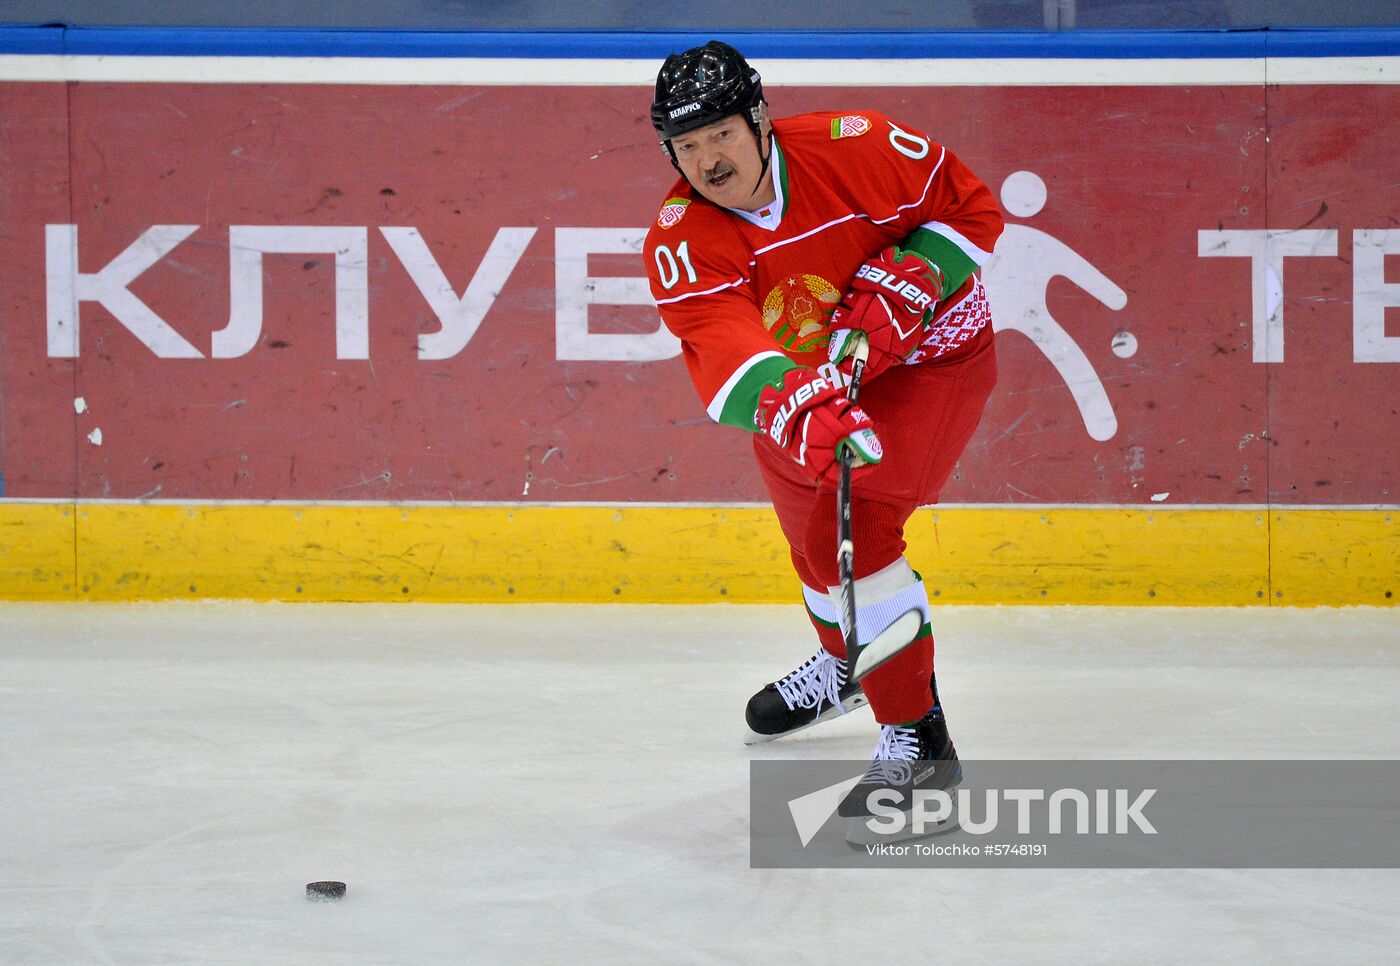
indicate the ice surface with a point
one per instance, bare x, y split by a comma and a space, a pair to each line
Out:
568, 784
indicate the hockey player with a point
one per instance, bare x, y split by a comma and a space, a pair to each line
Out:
781, 244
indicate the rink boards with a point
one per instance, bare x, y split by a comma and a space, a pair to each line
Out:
670, 553
371, 329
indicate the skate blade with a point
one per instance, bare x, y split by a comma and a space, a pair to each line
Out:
888, 643
852, 703
860, 836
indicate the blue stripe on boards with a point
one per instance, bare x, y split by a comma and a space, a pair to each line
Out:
1085, 44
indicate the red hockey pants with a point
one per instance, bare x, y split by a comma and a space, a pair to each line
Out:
924, 415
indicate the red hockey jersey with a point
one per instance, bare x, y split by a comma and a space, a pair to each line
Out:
750, 294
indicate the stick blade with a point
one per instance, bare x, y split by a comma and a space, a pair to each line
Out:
888, 643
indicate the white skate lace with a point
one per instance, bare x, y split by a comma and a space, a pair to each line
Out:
818, 680
897, 746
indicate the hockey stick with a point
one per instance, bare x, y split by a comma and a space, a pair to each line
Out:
861, 659
845, 546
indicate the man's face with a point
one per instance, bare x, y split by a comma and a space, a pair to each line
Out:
722, 161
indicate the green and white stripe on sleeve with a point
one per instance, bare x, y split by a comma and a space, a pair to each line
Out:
737, 400
950, 250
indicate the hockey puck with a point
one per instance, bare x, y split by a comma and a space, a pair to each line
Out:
325, 891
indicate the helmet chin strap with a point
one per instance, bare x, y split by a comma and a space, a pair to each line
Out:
763, 170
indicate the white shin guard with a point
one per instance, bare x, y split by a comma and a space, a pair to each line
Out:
820, 607
891, 607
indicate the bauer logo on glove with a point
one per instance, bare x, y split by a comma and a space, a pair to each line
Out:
890, 300
916, 299
803, 395
810, 419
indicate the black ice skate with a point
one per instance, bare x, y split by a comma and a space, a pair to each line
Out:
918, 756
816, 691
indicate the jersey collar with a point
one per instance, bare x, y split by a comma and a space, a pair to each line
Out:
771, 217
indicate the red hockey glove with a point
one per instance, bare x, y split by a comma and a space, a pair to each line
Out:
809, 417
891, 298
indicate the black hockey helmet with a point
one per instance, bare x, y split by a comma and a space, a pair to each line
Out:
704, 85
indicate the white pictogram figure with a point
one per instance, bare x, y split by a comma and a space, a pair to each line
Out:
1017, 277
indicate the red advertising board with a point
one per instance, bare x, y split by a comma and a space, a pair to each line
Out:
326, 292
